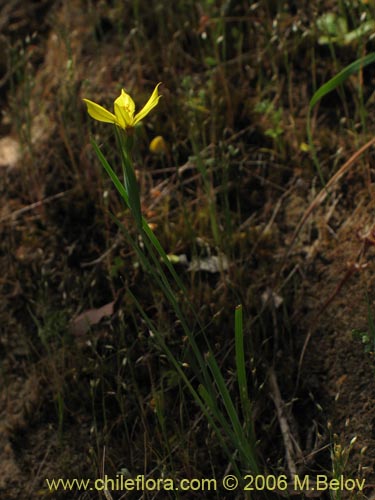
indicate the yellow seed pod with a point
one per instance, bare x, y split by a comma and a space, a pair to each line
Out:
158, 145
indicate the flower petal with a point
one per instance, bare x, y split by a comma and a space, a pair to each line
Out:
158, 145
99, 113
151, 103
124, 109
124, 100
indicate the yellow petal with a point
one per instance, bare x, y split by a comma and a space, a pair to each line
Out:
151, 103
124, 109
127, 102
158, 145
99, 113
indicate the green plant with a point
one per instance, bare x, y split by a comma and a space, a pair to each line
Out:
235, 434
275, 115
340, 461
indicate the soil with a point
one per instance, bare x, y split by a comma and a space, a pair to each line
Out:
332, 384
340, 290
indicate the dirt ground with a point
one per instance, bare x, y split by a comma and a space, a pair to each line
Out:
340, 280
331, 385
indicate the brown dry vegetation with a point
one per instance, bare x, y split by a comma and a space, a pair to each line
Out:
81, 402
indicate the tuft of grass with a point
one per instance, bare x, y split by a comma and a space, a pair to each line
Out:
205, 368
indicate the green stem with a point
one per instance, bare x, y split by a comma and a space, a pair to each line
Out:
130, 181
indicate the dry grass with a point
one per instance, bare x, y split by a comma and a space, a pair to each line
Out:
235, 181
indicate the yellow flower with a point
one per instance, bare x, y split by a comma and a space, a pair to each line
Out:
158, 145
124, 108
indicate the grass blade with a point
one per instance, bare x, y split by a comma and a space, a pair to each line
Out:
325, 89
241, 373
340, 78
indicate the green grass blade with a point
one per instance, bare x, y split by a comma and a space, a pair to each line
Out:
155, 270
241, 372
199, 401
112, 174
325, 89
244, 447
164, 257
130, 180
212, 406
151, 264
145, 229
337, 80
